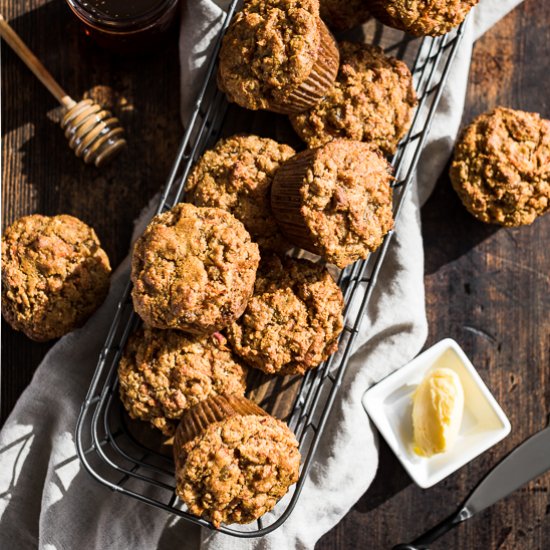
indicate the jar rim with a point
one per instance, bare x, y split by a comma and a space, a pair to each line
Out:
113, 23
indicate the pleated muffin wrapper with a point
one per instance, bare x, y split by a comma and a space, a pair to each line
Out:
287, 200
212, 410
321, 78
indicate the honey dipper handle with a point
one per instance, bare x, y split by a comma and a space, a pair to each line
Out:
33, 63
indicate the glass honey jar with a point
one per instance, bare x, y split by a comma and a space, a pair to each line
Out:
126, 26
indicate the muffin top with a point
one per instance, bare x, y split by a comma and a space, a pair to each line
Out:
193, 269
236, 175
342, 15
372, 100
293, 320
268, 50
237, 469
345, 199
54, 275
421, 17
162, 373
501, 167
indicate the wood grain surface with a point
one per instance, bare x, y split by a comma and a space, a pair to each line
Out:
486, 287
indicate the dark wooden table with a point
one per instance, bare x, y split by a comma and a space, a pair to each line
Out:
486, 287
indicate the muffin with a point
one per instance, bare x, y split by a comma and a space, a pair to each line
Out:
372, 100
54, 275
501, 167
193, 269
335, 201
343, 15
236, 175
233, 460
293, 320
162, 373
421, 18
277, 55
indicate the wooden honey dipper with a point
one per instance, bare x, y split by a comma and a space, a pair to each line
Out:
94, 133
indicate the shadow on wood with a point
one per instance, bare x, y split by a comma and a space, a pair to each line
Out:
449, 231
390, 479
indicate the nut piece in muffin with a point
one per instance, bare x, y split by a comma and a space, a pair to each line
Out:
420, 17
343, 15
293, 320
236, 175
162, 373
501, 167
54, 275
372, 100
193, 269
335, 201
234, 462
277, 55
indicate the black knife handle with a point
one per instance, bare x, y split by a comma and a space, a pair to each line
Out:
434, 533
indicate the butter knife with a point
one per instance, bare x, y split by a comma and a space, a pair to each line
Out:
527, 461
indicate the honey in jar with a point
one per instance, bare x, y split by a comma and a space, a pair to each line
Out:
126, 26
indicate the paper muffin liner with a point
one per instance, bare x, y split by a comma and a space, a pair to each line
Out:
320, 79
215, 408
287, 202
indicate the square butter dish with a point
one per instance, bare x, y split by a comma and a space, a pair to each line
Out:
389, 405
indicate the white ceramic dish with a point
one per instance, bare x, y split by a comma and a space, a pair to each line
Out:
389, 404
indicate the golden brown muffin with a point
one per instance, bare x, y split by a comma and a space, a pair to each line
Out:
233, 461
335, 201
421, 17
343, 15
293, 320
277, 55
501, 167
372, 100
54, 275
162, 373
236, 175
193, 269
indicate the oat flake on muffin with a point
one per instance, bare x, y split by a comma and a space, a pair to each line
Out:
193, 269
501, 167
236, 175
54, 275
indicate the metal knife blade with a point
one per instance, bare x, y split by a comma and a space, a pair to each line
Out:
526, 462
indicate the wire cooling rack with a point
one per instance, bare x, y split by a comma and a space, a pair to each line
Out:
108, 443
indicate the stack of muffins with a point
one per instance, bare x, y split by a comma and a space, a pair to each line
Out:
211, 280
211, 309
